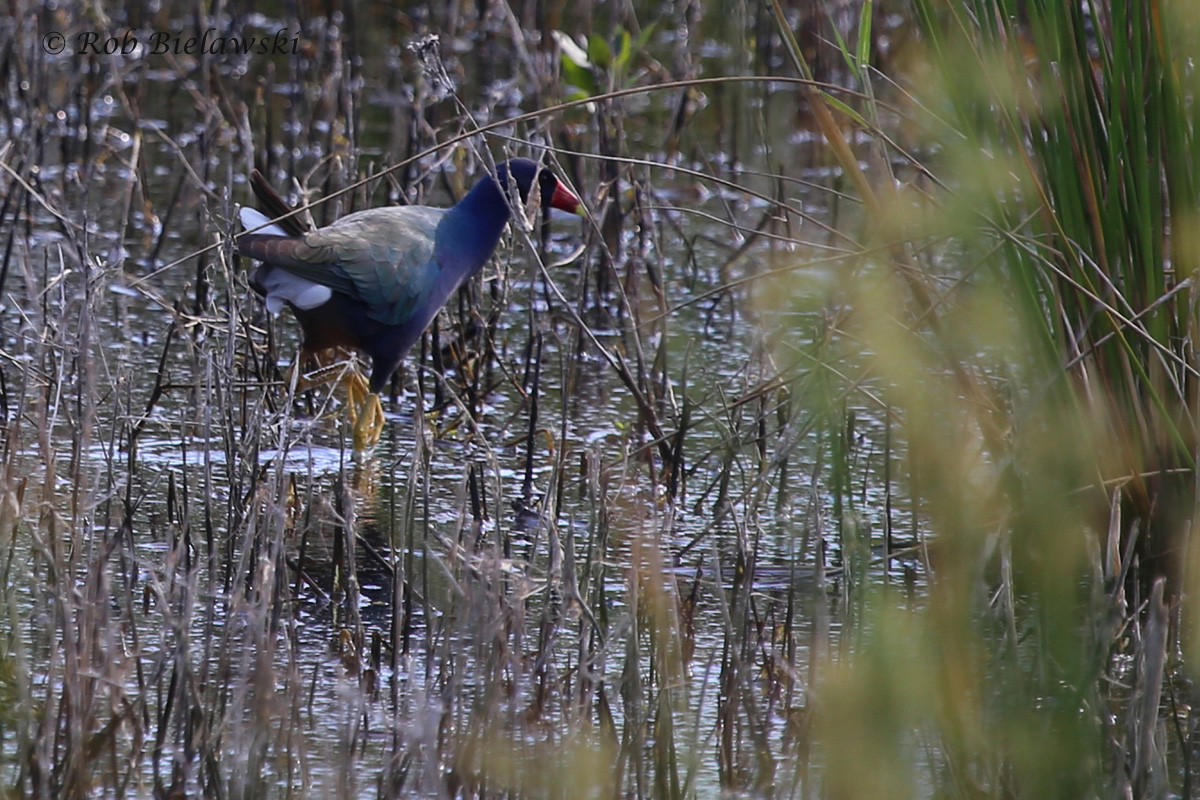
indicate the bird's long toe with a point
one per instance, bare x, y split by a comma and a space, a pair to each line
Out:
368, 421
357, 392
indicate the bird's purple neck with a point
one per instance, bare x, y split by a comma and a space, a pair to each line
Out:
471, 229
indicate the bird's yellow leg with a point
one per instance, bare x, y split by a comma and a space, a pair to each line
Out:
324, 372
364, 408
362, 405
368, 419
356, 391
366, 411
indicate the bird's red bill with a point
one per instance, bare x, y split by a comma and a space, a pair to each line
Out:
565, 199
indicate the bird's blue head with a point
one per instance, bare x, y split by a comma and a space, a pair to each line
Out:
524, 173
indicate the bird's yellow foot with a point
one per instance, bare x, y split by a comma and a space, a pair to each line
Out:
357, 390
366, 412
363, 406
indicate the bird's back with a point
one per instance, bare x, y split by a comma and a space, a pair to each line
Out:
381, 257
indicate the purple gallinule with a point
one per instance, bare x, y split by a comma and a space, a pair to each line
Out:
375, 279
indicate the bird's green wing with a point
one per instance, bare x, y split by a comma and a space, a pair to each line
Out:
381, 257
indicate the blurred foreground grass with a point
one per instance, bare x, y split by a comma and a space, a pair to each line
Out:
1033, 327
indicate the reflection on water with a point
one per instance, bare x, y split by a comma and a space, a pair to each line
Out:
164, 454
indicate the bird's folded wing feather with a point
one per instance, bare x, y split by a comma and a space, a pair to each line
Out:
377, 256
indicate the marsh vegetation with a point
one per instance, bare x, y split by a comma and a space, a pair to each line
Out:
846, 449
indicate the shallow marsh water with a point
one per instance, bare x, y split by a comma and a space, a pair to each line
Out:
520, 585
